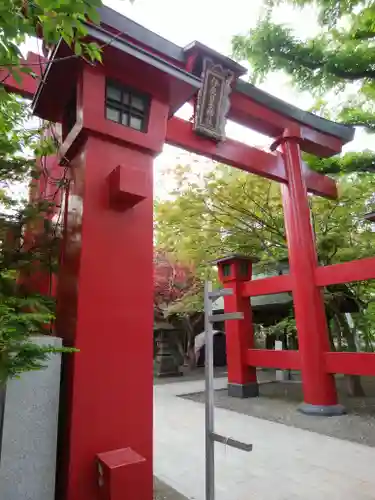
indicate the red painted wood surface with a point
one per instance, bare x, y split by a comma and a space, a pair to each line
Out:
29, 83
350, 363
120, 471
319, 184
319, 144
109, 398
239, 333
108, 259
356, 270
243, 109
267, 286
105, 287
93, 88
318, 386
256, 116
231, 152
264, 358
270, 165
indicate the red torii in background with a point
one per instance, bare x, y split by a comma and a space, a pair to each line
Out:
105, 282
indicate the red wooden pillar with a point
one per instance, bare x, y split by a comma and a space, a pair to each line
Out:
234, 270
114, 117
318, 386
105, 299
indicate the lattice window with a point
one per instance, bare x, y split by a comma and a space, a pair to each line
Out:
127, 107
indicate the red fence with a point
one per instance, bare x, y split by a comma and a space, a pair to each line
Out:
350, 363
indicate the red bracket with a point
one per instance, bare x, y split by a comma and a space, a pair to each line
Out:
127, 187
310, 140
288, 135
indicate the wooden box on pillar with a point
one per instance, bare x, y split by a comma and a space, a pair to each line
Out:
242, 379
113, 120
118, 471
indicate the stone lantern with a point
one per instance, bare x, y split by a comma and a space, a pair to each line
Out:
165, 364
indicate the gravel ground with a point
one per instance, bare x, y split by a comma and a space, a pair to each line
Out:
278, 403
164, 492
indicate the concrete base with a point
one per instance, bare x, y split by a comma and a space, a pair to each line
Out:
322, 411
28, 454
250, 390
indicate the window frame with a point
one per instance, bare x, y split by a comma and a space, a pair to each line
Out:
128, 109
227, 269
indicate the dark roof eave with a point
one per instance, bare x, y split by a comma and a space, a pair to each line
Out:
135, 31
125, 46
343, 132
141, 34
235, 256
224, 60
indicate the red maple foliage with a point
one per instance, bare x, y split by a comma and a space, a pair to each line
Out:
172, 279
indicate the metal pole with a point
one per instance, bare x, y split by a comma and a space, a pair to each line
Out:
3, 389
210, 436
209, 394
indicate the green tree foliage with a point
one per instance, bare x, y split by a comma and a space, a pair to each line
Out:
209, 216
341, 54
52, 19
339, 59
338, 67
230, 211
28, 240
22, 312
22, 315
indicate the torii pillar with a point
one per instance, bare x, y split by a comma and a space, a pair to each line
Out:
113, 120
319, 390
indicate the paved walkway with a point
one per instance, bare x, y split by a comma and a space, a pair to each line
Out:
286, 464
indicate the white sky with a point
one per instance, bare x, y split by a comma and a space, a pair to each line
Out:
214, 23
209, 22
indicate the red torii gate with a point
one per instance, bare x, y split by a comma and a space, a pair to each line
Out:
114, 120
